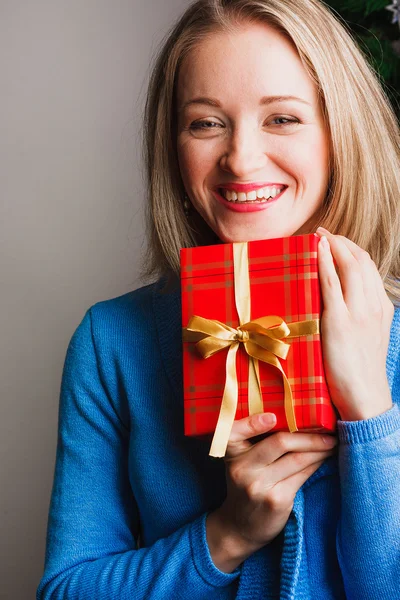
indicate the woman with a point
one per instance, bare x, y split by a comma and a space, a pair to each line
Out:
272, 95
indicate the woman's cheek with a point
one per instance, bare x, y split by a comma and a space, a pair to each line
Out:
197, 165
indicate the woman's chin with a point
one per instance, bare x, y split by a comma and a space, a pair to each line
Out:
248, 236
252, 235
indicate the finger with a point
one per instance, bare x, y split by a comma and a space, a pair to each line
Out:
371, 284
352, 246
296, 462
280, 443
330, 283
287, 467
386, 303
369, 281
288, 487
292, 463
350, 274
387, 311
373, 297
368, 268
244, 429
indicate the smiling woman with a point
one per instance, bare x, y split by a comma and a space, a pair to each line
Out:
217, 97
259, 124
263, 120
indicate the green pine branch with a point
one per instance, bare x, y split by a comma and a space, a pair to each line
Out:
371, 25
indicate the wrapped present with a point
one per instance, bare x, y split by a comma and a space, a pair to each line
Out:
251, 329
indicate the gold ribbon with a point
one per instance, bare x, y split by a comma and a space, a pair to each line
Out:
262, 340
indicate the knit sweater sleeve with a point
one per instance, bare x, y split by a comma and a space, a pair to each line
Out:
91, 550
368, 535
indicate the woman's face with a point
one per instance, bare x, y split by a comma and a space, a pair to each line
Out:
250, 127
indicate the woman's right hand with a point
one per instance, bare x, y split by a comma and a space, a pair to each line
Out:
262, 481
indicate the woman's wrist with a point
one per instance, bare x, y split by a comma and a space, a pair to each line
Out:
227, 549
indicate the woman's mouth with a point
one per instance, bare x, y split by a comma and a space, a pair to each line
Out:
251, 201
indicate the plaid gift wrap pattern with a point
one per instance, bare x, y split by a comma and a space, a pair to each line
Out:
283, 281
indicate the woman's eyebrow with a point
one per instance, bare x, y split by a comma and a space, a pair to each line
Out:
265, 100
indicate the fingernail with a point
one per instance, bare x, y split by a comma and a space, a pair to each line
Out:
322, 229
324, 241
330, 440
268, 419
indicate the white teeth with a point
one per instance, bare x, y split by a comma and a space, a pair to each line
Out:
260, 194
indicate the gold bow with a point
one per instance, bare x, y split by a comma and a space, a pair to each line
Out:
262, 340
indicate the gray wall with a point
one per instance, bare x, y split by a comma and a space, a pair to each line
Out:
73, 80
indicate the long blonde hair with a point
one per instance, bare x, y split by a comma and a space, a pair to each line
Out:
363, 197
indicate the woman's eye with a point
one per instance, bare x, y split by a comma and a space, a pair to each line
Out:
204, 125
285, 121
279, 121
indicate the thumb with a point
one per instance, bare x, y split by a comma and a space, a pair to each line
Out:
249, 427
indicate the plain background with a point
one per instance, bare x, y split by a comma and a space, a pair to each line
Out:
73, 83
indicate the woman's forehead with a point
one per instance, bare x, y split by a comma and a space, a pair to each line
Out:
255, 61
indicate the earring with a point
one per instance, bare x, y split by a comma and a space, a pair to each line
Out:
186, 204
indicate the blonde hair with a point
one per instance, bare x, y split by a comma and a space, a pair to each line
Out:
362, 201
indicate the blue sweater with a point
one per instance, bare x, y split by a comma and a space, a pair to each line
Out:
124, 469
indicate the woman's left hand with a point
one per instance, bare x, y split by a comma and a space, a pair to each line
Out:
355, 329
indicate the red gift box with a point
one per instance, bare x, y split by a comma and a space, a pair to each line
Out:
283, 285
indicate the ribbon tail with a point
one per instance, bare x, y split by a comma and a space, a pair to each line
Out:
255, 400
289, 407
227, 411
268, 357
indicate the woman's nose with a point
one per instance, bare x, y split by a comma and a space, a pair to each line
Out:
244, 155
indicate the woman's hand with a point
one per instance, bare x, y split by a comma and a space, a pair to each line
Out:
355, 328
262, 481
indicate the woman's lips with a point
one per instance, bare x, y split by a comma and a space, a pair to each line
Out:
248, 205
